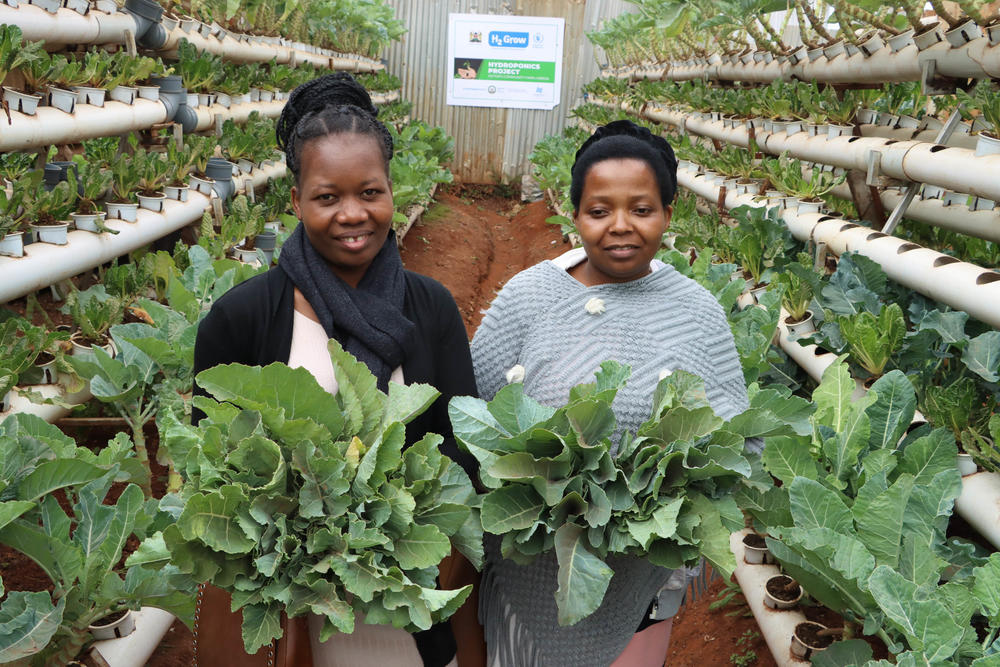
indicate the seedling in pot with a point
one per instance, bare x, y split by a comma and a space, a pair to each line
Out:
201, 148
152, 168
15, 210
199, 70
250, 216
798, 283
91, 183
15, 53
125, 178
51, 207
986, 99
94, 312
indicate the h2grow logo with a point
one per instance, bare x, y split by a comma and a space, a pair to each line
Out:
506, 38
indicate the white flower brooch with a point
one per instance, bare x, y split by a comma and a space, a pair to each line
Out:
515, 374
595, 306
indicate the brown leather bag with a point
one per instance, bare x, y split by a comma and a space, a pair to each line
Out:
218, 636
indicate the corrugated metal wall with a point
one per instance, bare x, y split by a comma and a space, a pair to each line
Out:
491, 145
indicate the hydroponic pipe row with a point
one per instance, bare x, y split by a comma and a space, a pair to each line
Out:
45, 264
953, 168
961, 285
146, 22
899, 59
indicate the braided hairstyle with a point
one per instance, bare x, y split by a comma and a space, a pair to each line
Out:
332, 104
623, 139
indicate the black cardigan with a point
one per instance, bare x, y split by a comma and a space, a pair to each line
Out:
252, 324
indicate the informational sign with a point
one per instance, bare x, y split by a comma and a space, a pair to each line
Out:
512, 62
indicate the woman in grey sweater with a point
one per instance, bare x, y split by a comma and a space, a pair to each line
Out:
550, 327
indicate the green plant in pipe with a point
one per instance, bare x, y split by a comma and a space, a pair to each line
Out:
94, 312
785, 174
78, 544
50, 207
340, 518
91, 183
252, 218
69, 73
986, 99
201, 149
22, 343
125, 70
152, 168
872, 339
37, 72
798, 282
860, 520
15, 53
126, 175
15, 206
102, 150
199, 70
96, 68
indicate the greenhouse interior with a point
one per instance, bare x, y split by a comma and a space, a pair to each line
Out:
500, 333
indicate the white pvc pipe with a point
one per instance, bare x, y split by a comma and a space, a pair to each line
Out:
981, 224
256, 51
961, 285
67, 26
238, 113
44, 264
20, 404
954, 168
134, 649
976, 59
979, 504
50, 126
777, 626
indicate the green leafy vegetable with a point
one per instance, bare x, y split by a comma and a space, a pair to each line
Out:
301, 502
560, 482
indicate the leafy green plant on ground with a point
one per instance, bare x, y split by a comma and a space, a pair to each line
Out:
860, 520
303, 502
77, 544
558, 482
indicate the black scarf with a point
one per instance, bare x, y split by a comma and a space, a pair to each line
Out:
368, 320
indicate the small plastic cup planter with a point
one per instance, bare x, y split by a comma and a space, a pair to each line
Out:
802, 328
176, 192
12, 245
64, 100
963, 34
54, 234
127, 211
755, 550
987, 144
92, 96
81, 7
152, 202
114, 626
46, 365
966, 466
899, 42
808, 639
25, 103
929, 37
202, 185
84, 350
51, 6
782, 592
124, 94
89, 222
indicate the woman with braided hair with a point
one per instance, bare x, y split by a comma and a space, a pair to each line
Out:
551, 327
339, 276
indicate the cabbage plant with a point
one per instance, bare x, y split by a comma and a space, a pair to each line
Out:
561, 478
298, 501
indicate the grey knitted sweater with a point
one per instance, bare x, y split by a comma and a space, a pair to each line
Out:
541, 321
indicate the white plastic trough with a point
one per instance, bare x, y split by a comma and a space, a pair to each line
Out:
67, 26
45, 264
979, 504
961, 285
134, 649
777, 626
